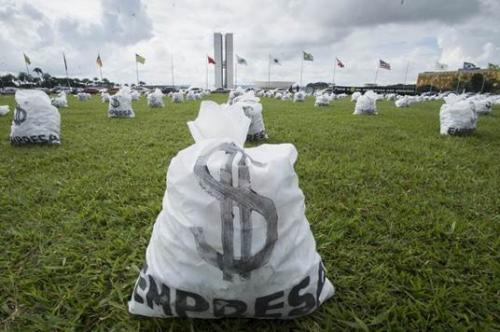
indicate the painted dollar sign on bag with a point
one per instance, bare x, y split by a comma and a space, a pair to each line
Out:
20, 115
247, 201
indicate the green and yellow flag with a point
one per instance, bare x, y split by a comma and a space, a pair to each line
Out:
27, 59
308, 56
140, 59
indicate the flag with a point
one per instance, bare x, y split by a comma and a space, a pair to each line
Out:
65, 63
441, 66
492, 66
241, 61
140, 59
274, 60
308, 56
211, 60
469, 66
340, 64
384, 65
27, 59
98, 61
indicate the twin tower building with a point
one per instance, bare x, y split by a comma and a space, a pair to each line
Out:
224, 61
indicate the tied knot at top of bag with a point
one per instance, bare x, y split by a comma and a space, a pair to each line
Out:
220, 121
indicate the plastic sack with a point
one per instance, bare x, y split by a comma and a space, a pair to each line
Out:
155, 99
36, 120
177, 97
235, 93
366, 104
105, 97
253, 110
82, 96
60, 100
483, 106
322, 100
4, 109
120, 104
135, 95
402, 102
299, 97
232, 239
457, 117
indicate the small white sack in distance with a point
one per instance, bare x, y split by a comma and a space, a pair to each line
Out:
366, 104
402, 102
155, 99
232, 239
322, 100
82, 96
135, 95
105, 97
4, 109
483, 106
60, 100
458, 117
253, 111
177, 97
36, 120
120, 104
299, 97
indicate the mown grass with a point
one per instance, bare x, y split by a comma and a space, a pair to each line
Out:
407, 222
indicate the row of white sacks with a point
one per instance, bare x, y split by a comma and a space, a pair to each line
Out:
37, 120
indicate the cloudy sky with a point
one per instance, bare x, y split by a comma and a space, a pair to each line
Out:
359, 32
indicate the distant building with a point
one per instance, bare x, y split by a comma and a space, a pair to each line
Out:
448, 80
224, 61
273, 84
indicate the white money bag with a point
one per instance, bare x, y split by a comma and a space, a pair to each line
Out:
155, 99
366, 104
36, 120
457, 117
232, 239
120, 104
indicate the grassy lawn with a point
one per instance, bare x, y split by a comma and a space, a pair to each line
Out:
407, 222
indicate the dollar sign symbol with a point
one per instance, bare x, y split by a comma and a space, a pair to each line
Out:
20, 115
115, 103
247, 201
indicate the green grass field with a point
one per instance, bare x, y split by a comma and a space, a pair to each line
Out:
407, 222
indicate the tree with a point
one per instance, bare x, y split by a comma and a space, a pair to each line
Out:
142, 83
22, 76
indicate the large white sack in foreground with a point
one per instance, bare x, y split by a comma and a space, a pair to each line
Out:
4, 109
36, 120
232, 239
457, 117
120, 104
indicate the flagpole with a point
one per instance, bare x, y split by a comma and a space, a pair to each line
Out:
301, 68
376, 75
206, 65
269, 72
137, 70
27, 69
458, 83
484, 81
100, 72
172, 70
334, 70
406, 73
236, 73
